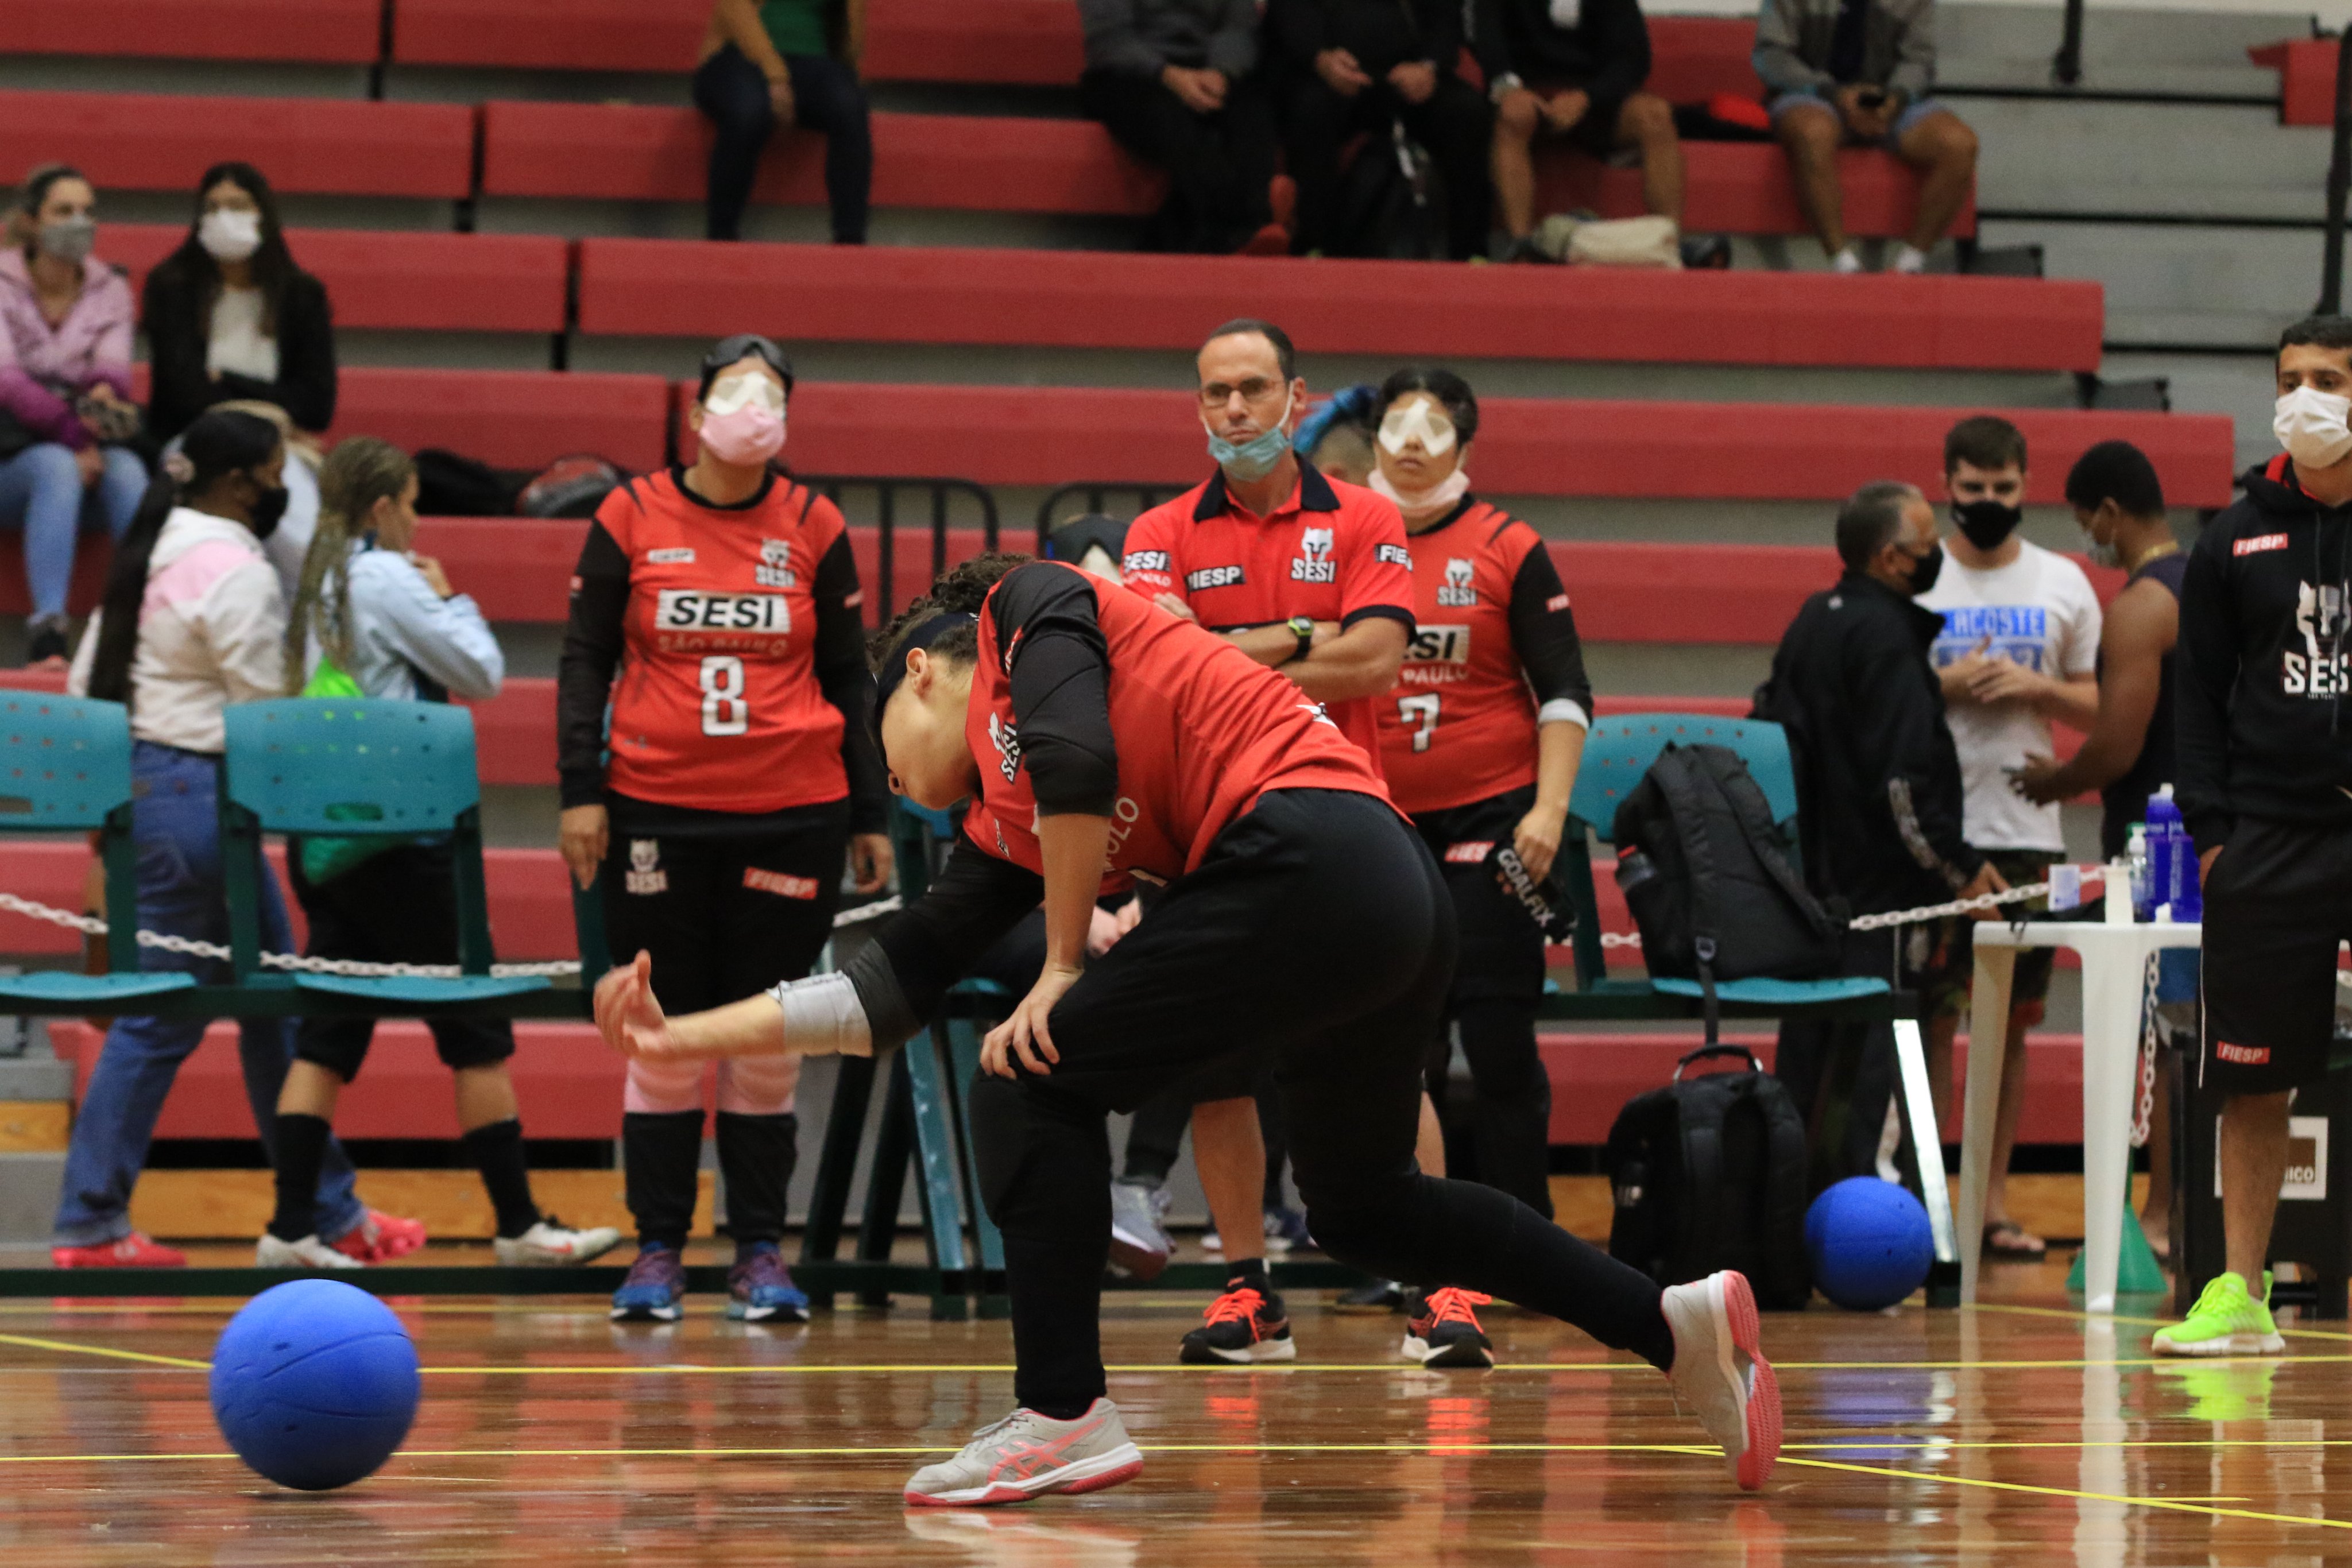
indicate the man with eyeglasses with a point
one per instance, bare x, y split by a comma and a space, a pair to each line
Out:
1311, 577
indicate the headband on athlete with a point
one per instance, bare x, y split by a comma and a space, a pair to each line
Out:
734, 351
922, 636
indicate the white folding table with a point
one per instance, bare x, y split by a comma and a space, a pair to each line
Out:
2115, 962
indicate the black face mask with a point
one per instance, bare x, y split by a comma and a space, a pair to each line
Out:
1986, 523
268, 508
1925, 571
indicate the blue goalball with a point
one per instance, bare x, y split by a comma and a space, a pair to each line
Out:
314, 1384
1869, 1243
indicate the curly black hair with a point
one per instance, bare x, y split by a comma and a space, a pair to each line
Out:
958, 591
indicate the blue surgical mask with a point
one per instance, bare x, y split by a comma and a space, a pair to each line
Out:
1254, 459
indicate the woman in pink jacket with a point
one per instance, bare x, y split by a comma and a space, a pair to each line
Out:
65, 392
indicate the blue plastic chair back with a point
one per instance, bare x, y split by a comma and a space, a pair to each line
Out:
65, 762
351, 767
1619, 749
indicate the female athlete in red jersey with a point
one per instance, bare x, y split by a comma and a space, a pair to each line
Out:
1480, 740
1101, 739
741, 769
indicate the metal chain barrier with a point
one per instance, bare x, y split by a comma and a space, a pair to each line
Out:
2150, 1029
92, 925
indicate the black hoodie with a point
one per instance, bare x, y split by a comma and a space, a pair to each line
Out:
2261, 666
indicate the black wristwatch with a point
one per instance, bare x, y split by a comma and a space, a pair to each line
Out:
1302, 628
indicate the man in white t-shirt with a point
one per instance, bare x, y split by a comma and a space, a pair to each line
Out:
2018, 649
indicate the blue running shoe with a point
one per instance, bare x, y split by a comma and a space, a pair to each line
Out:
655, 1289
759, 1290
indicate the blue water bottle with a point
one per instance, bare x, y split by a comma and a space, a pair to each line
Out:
2172, 859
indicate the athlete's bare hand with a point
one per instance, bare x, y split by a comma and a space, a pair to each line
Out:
1986, 880
1176, 607
871, 861
583, 835
1536, 839
628, 1016
1026, 1034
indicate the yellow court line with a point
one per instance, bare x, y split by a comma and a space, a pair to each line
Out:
2170, 1504
140, 1355
2124, 1318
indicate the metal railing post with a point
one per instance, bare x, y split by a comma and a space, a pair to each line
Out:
2068, 68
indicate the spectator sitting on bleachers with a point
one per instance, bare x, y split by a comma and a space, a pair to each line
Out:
792, 62
1361, 65
1858, 73
1178, 84
64, 393
229, 317
1572, 69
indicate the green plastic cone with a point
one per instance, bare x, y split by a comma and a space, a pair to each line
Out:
2137, 1272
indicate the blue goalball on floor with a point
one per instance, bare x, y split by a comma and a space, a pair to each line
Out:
314, 1384
1869, 1243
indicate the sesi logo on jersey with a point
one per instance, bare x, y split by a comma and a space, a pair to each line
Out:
1314, 563
1008, 746
1145, 560
775, 568
686, 610
1438, 645
1459, 590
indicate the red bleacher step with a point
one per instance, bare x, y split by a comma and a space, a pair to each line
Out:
310, 32
1746, 188
326, 146
1063, 298
399, 280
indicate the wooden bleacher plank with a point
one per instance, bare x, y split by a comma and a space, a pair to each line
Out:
306, 32
402, 281
320, 146
1058, 298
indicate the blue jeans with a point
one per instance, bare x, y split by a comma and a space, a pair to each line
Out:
41, 492
181, 892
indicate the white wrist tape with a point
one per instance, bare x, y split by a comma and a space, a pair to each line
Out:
823, 1016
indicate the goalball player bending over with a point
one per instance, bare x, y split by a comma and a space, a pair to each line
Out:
1100, 738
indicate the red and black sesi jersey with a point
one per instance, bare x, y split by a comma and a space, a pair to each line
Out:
1332, 552
1494, 652
739, 640
1088, 698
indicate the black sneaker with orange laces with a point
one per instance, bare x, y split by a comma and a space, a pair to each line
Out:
1442, 1328
1246, 1324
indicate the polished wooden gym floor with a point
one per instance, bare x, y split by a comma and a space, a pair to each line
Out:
2015, 1433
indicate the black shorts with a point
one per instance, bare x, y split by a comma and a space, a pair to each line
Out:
725, 916
397, 907
1502, 947
2279, 901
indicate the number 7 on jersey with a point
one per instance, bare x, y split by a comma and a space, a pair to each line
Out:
1421, 710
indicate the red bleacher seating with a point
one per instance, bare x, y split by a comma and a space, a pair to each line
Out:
1693, 59
973, 163
1745, 188
404, 280
310, 32
1030, 43
509, 419
1527, 446
163, 142
1010, 164
1066, 298
2306, 69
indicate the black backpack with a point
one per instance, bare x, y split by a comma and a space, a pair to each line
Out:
1710, 1174
1392, 202
1707, 875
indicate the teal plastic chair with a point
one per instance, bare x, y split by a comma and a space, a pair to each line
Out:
359, 767
1617, 752
65, 768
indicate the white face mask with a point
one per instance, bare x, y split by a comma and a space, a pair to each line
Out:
729, 393
229, 236
2311, 424
1420, 419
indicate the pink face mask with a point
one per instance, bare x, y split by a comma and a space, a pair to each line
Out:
746, 435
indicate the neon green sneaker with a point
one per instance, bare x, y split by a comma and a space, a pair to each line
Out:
2226, 1321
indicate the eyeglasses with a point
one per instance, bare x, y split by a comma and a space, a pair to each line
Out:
1257, 388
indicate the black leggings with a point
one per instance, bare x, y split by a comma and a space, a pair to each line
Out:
827, 97
1498, 983
1317, 931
